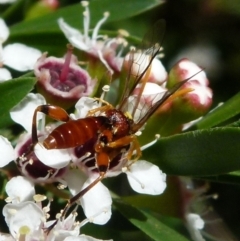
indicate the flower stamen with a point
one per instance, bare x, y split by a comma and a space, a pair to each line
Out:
98, 26
86, 20
105, 89
157, 136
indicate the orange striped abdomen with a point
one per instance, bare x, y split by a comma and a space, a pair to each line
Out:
75, 132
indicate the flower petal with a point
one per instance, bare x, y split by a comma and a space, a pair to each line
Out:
4, 74
6, 237
83, 106
55, 158
97, 203
75, 180
25, 214
74, 36
158, 73
4, 31
6, 152
20, 189
147, 178
20, 57
23, 112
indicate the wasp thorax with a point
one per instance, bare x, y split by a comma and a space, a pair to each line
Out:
120, 123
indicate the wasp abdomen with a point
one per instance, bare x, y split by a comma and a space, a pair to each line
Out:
74, 132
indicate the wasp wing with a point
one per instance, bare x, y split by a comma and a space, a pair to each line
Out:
149, 49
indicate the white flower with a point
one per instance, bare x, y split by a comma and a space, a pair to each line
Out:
19, 189
24, 218
27, 221
76, 38
96, 45
17, 56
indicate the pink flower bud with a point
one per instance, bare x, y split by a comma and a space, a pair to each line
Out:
193, 104
185, 69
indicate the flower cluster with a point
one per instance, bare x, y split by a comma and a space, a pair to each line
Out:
26, 216
97, 140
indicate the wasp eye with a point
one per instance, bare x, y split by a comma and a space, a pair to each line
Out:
104, 139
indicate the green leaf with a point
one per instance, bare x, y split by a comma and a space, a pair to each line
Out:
147, 223
230, 178
12, 92
224, 112
198, 153
73, 15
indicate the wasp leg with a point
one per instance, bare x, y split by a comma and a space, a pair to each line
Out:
101, 109
103, 101
55, 112
126, 140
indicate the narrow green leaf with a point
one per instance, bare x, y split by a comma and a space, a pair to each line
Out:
147, 223
224, 112
12, 92
198, 153
230, 178
73, 15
